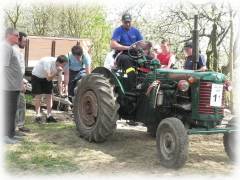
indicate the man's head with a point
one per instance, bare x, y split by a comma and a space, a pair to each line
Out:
22, 40
188, 48
11, 36
77, 52
126, 20
165, 46
61, 60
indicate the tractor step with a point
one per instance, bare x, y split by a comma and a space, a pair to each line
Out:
210, 131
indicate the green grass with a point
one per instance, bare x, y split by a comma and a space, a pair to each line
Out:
41, 152
29, 98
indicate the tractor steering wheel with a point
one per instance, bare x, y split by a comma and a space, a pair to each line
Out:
135, 51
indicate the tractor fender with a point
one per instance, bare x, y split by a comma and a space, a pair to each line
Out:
113, 78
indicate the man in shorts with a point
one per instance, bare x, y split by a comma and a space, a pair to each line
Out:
42, 76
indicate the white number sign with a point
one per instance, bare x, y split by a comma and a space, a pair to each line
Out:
216, 95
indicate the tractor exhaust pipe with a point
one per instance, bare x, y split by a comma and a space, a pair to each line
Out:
195, 40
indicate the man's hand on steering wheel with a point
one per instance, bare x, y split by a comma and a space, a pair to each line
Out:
135, 52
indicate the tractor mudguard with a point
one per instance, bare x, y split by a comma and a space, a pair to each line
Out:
113, 78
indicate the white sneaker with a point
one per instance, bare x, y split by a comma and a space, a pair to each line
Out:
8, 140
18, 138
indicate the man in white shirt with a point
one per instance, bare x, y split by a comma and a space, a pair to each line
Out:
109, 62
42, 76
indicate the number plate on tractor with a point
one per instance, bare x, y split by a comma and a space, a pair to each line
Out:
216, 95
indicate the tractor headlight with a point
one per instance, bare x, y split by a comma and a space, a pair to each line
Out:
183, 85
192, 80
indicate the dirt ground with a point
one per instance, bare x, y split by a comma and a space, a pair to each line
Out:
130, 150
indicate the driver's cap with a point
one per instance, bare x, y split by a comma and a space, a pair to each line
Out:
126, 17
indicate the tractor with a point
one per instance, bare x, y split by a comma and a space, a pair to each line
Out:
172, 103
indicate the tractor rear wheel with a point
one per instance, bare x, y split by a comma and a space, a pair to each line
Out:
172, 143
95, 107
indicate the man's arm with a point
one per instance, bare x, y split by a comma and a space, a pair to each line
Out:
51, 75
88, 70
66, 79
203, 68
87, 60
171, 61
115, 45
7, 55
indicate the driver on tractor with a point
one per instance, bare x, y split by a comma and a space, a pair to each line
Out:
123, 37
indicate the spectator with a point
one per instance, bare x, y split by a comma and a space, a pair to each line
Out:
201, 64
12, 84
123, 37
42, 76
79, 64
166, 58
109, 61
147, 48
21, 107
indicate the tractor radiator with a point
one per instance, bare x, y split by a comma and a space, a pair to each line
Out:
204, 100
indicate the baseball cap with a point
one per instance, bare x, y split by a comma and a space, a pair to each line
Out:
188, 44
126, 17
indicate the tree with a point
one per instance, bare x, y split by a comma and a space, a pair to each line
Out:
13, 16
40, 19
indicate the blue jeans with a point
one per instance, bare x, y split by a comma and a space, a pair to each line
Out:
74, 76
21, 110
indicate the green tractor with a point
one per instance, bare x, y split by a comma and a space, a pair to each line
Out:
171, 103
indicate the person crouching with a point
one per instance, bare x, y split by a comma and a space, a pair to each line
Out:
42, 76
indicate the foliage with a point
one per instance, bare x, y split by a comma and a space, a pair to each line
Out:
175, 23
156, 21
66, 21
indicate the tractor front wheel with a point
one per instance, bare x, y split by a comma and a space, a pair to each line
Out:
229, 141
172, 143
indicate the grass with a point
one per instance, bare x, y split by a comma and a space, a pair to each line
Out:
40, 152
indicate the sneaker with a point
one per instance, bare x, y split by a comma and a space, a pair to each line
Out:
51, 119
24, 129
8, 140
18, 138
19, 133
38, 119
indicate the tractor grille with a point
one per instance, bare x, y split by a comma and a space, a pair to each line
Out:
204, 100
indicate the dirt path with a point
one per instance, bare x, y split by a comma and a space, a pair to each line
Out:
132, 151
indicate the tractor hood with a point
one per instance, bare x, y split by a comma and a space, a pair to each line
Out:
179, 74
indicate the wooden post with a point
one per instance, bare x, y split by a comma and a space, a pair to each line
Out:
26, 54
195, 39
53, 49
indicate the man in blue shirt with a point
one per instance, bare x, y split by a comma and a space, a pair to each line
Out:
123, 37
79, 64
201, 64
